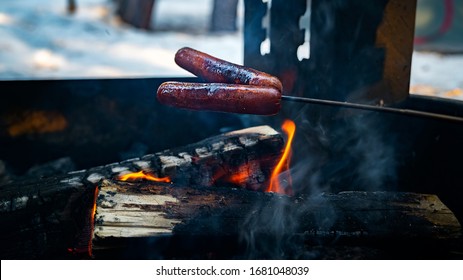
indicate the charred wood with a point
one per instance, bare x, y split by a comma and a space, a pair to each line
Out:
46, 218
262, 224
50, 217
207, 213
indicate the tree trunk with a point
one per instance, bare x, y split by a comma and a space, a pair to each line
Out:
136, 12
223, 17
71, 7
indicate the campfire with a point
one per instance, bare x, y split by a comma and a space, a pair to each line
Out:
186, 199
252, 159
333, 161
233, 187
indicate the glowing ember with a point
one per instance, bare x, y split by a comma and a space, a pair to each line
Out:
241, 174
144, 176
239, 178
283, 165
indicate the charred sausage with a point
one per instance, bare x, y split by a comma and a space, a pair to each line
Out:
216, 70
242, 99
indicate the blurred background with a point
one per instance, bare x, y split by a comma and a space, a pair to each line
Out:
61, 39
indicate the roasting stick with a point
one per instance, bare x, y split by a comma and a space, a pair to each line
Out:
372, 108
247, 99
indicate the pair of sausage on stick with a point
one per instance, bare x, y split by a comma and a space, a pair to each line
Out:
236, 89
231, 88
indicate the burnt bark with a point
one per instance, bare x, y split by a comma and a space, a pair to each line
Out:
46, 218
242, 158
50, 217
262, 224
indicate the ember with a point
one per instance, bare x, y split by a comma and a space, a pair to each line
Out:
282, 168
241, 176
144, 176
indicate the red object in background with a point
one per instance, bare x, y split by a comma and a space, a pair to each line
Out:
443, 28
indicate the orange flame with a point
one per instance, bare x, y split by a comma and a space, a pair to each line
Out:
88, 248
92, 221
142, 175
283, 165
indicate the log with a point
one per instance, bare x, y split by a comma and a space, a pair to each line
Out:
50, 217
243, 158
46, 218
269, 223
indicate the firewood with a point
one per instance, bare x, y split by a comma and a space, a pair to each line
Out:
129, 212
205, 212
50, 217
243, 158
141, 209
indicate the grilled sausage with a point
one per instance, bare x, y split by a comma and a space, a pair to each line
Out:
216, 70
242, 99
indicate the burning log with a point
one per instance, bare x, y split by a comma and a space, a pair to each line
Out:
243, 158
141, 213
51, 217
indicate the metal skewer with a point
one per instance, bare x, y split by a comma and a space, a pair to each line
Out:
372, 108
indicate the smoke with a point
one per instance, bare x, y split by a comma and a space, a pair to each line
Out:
349, 151
334, 149
268, 229
375, 154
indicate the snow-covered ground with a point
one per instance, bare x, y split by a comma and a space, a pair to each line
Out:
437, 75
40, 40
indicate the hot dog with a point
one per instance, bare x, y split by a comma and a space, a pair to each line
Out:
216, 70
242, 99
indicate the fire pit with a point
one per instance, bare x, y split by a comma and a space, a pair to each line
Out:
149, 181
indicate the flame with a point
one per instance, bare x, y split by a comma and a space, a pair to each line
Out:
92, 221
142, 175
81, 248
283, 165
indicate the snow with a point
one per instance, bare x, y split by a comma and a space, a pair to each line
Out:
39, 40
437, 75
